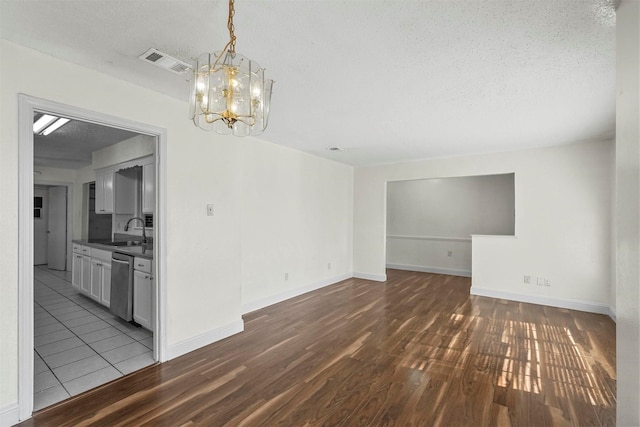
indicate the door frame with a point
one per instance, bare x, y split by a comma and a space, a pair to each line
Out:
70, 187
26, 107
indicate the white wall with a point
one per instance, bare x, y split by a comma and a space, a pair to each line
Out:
430, 254
203, 253
203, 275
54, 175
563, 221
296, 221
628, 212
132, 148
430, 221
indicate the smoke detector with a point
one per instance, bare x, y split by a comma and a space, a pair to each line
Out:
165, 61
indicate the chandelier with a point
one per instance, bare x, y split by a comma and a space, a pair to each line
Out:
230, 94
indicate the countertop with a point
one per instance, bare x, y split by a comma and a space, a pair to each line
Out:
135, 250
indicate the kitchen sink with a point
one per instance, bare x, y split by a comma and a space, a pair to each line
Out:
121, 243
116, 243
133, 246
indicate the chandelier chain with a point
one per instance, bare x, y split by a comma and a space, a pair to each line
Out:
230, 26
231, 44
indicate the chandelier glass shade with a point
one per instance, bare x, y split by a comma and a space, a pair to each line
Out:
230, 94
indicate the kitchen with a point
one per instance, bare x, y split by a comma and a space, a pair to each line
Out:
116, 272
90, 329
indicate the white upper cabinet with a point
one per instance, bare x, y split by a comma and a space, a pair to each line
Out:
127, 184
127, 188
148, 187
104, 191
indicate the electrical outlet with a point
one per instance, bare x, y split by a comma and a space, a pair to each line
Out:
540, 281
547, 282
286, 276
527, 279
210, 209
450, 253
329, 266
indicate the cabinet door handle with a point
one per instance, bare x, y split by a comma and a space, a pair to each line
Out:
146, 277
140, 265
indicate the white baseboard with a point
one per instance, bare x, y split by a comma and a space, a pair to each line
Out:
612, 313
265, 302
9, 415
427, 269
369, 276
571, 304
206, 338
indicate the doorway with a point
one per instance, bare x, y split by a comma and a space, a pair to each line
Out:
27, 107
50, 226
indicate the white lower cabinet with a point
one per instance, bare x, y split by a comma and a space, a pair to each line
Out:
96, 279
142, 292
76, 271
100, 276
81, 268
105, 295
85, 284
100, 281
91, 274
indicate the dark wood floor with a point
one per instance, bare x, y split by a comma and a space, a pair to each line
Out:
415, 351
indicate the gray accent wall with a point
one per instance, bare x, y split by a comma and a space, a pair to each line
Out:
430, 221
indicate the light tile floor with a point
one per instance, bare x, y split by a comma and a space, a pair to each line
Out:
78, 343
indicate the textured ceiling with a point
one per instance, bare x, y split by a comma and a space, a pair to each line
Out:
70, 146
386, 80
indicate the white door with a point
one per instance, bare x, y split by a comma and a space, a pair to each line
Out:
57, 242
40, 225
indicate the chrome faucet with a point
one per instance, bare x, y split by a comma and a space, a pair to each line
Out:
144, 235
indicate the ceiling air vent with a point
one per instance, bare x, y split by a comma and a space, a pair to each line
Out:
165, 61
153, 57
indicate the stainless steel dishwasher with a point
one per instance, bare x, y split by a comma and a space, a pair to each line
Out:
121, 303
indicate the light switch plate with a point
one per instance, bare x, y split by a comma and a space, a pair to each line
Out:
210, 209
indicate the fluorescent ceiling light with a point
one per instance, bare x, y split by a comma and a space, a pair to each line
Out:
44, 121
55, 126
